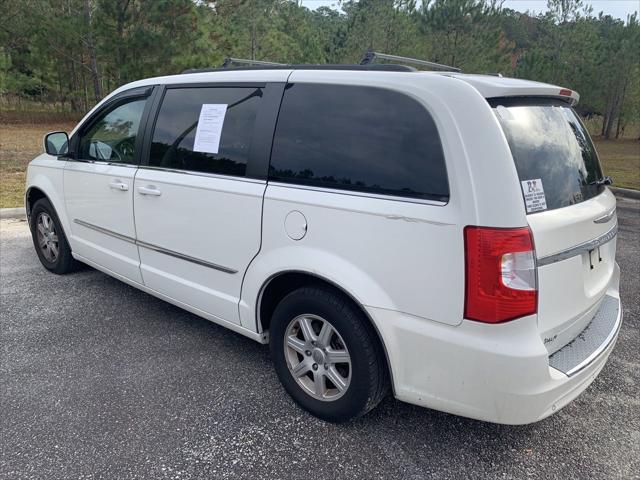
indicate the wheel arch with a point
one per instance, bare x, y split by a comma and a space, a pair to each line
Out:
278, 285
47, 185
31, 196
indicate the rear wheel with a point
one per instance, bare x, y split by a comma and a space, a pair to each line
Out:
326, 354
49, 239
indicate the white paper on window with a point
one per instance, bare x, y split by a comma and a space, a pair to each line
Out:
209, 127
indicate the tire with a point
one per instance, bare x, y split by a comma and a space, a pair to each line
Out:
49, 239
363, 379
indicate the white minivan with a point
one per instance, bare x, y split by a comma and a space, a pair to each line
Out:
444, 235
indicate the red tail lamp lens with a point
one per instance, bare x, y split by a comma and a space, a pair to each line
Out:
500, 274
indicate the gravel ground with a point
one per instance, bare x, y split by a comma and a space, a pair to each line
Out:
99, 380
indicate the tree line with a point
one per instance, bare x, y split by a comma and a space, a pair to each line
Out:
70, 53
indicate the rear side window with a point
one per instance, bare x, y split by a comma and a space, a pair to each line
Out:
177, 124
552, 151
358, 138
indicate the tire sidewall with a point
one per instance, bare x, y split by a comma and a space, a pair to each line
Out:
346, 321
58, 266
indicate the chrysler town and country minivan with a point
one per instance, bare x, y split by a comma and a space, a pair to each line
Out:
449, 237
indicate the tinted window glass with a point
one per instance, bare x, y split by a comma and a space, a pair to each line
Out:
175, 130
549, 143
112, 138
358, 138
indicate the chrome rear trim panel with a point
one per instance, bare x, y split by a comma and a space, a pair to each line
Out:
579, 249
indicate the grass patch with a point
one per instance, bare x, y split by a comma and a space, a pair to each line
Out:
621, 160
21, 142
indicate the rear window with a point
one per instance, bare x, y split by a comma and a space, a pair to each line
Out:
553, 153
365, 139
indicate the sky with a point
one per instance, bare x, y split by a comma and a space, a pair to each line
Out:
615, 8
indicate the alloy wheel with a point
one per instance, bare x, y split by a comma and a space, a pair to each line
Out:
317, 357
47, 237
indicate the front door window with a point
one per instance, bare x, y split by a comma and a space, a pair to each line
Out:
112, 138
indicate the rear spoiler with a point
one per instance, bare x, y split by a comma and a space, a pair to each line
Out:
491, 86
560, 93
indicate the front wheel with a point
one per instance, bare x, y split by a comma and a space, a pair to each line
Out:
327, 355
49, 239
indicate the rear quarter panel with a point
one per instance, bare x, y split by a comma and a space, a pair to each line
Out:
397, 255
374, 249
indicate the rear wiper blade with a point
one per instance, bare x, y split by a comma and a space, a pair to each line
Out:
602, 181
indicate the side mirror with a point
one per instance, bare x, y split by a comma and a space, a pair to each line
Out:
56, 143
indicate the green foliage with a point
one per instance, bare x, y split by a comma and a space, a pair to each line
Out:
70, 52
466, 33
382, 25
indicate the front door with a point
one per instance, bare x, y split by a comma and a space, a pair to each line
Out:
98, 186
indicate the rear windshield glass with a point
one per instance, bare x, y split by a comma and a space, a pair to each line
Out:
554, 156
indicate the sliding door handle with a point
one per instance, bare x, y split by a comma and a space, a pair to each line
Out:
149, 190
118, 185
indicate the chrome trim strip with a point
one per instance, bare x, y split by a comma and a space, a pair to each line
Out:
103, 162
156, 248
606, 217
203, 174
105, 231
182, 256
596, 353
579, 249
355, 193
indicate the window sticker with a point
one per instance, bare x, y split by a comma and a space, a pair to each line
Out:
534, 197
209, 128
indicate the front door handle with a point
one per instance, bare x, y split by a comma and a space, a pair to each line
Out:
149, 190
118, 185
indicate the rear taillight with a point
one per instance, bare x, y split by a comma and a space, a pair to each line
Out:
500, 274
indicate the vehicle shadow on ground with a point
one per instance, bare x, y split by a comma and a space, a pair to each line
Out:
256, 356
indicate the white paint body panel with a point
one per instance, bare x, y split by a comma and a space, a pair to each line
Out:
362, 243
498, 373
90, 198
491, 86
570, 291
213, 219
46, 173
401, 260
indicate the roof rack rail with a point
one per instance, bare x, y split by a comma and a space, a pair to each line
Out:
380, 67
228, 62
370, 56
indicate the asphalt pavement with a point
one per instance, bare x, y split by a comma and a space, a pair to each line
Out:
100, 380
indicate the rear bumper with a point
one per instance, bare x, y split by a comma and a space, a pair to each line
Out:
592, 341
496, 373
